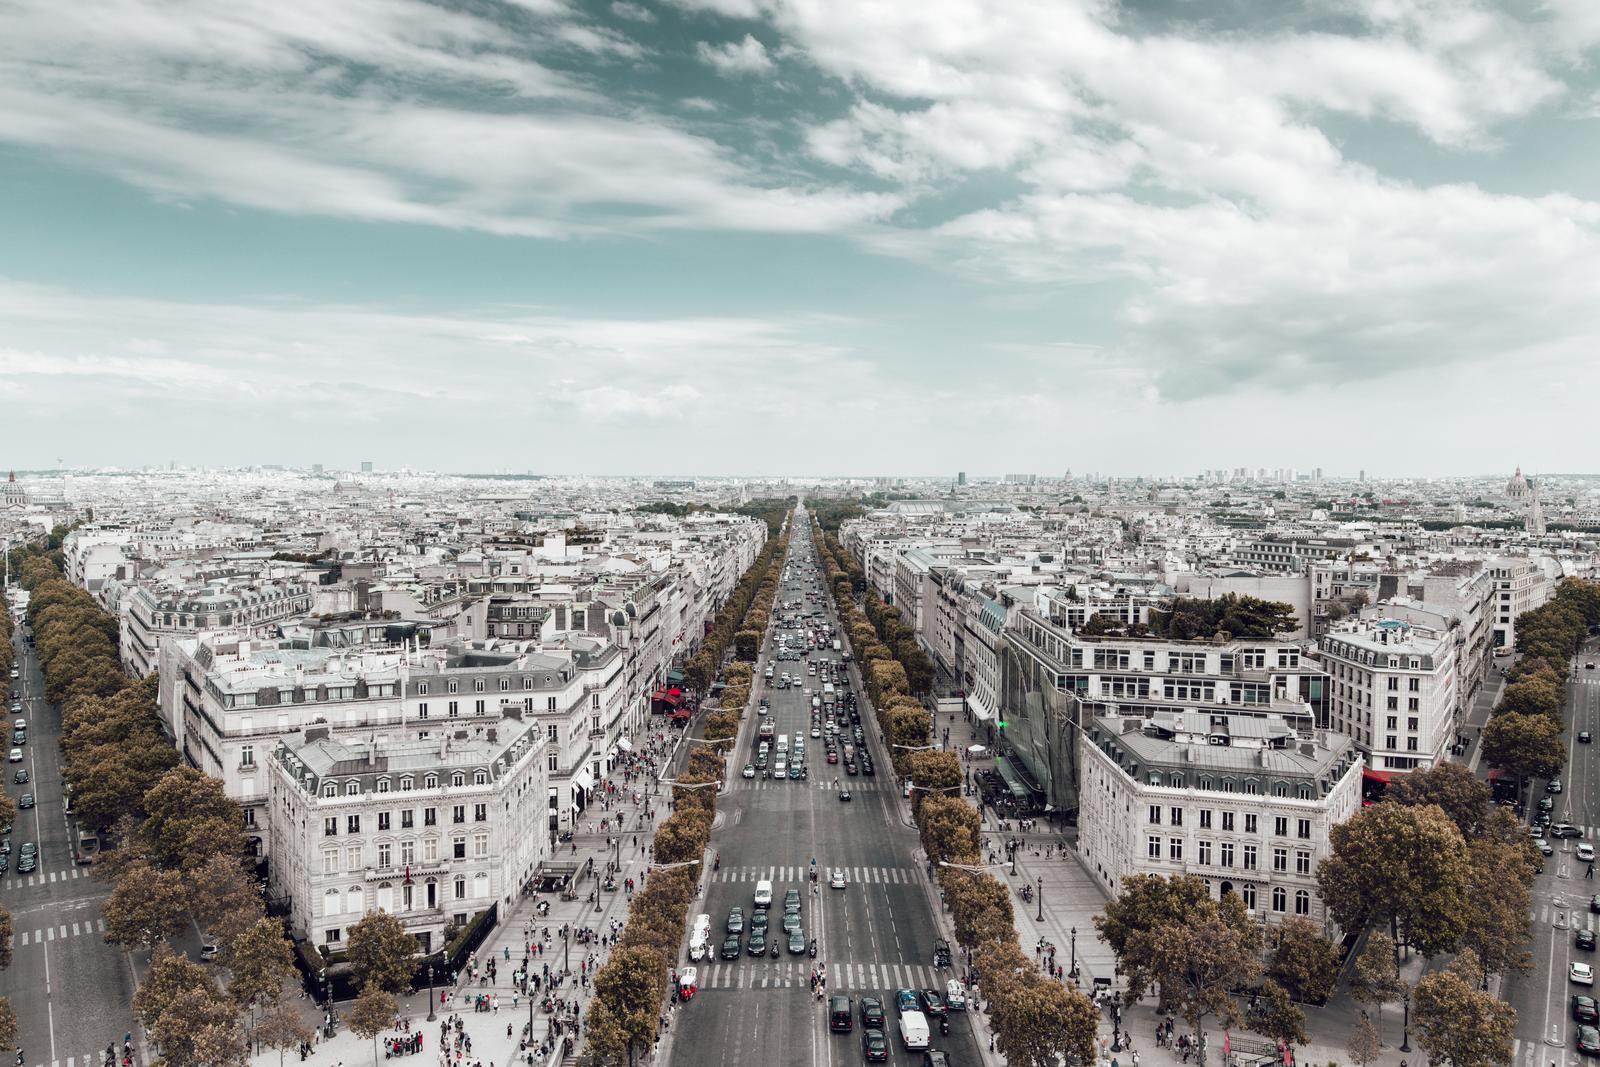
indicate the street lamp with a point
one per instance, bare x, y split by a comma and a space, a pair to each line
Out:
1041, 896
1405, 1036
430, 992
1074, 971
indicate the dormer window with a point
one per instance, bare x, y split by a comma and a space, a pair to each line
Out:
422, 689
527, 683
406, 782
352, 789
330, 790
477, 686
458, 779
451, 686
430, 782
505, 683
480, 777
383, 785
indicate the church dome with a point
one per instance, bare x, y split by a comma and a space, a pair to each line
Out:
1517, 487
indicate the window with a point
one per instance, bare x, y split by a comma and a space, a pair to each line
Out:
1155, 815
1227, 822
332, 904
552, 762
1394, 683
1205, 853
480, 813
458, 779
1205, 818
330, 861
430, 816
422, 689
451, 687
247, 755
551, 732
1252, 787
422, 711
1249, 857
430, 850
453, 708
1249, 824
1393, 704
330, 826
1249, 896
461, 888
1280, 826
1280, 898
1302, 902
477, 707
477, 686
407, 819
480, 845
383, 785
353, 858
330, 789
352, 824
458, 814
1227, 853
431, 781
1302, 829
505, 683
352, 789
1175, 849
383, 820
1415, 685
480, 777
550, 704
1302, 862
408, 852
1153, 847
406, 782
458, 847
1177, 816
1280, 860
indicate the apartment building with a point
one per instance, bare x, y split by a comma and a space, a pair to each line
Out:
1393, 689
152, 614
430, 831
1244, 802
1291, 553
1519, 585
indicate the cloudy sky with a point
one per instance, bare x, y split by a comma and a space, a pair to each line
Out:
785, 236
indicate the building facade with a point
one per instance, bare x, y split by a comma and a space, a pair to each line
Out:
1393, 690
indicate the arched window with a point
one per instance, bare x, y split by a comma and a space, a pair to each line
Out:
458, 779
1252, 787
505, 683
480, 777
1305, 791
331, 902
480, 886
1227, 785
1280, 898
406, 782
1279, 789
353, 901
1302, 902
1206, 782
330, 789
1175, 781
383, 785
352, 789
430, 782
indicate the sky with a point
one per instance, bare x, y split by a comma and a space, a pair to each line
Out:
778, 237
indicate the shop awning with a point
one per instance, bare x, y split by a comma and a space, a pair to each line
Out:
1013, 780
584, 779
1377, 776
979, 709
624, 744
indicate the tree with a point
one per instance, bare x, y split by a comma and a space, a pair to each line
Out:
199, 1029
282, 1028
980, 907
1402, 867
1376, 979
1529, 746
1463, 796
950, 829
1148, 902
168, 975
745, 644
259, 962
631, 989
1500, 874
147, 906
1039, 1022
1362, 1045
373, 1012
1533, 695
381, 952
1276, 1016
183, 797
1459, 1024
8, 1024
1198, 964
1305, 963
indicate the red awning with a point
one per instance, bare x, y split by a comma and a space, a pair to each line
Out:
1377, 776
674, 692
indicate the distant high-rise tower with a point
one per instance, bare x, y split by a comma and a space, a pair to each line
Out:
1363, 476
1535, 523
961, 477
366, 466
316, 468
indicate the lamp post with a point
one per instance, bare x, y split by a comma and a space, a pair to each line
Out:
430, 992
1405, 1036
1074, 971
1040, 891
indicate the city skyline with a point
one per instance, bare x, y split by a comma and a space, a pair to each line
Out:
573, 234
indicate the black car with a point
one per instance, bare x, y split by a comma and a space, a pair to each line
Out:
1584, 939
1585, 1010
1562, 829
758, 943
872, 1013
1588, 1041
1594, 904
866, 768
933, 1005
28, 858
25, 801
731, 949
874, 1047
844, 794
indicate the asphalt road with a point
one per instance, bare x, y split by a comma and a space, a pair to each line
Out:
1545, 1030
874, 936
71, 991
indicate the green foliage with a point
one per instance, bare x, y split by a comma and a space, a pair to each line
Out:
1237, 616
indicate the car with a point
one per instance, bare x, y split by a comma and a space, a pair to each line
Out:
761, 761
836, 879
19, 724
1583, 737
1581, 973
874, 1047
816, 731
905, 1000
1586, 852
731, 949
1546, 803
21, 777
1584, 939
844, 794
872, 1013
1594, 904
758, 923
758, 943
933, 1004
16, 755
797, 944
1544, 847
840, 1021
25, 801
850, 768
792, 923
791, 898
1589, 666
1541, 818
1553, 786
749, 770
796, 770
736, 921
955, 995
935, 1058
1585, 1009
1566, 829
27, 858
833, 755
1587, 1041
867, 769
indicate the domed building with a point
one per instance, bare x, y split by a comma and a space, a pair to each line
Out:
1517, 488
12, 496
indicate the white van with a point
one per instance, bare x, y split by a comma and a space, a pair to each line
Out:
914, 1030
764, 893
783, 744
780, 767
700, 939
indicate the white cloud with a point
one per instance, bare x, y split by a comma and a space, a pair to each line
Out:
623, 9
748, 56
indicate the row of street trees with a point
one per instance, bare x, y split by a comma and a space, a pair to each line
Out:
735, 621
1036, 1020
631, 986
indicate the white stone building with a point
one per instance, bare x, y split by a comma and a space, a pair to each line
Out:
1392, 687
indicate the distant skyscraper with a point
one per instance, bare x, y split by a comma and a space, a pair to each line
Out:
366, 466
961, 477
1363, 476
1317, 474
316, 468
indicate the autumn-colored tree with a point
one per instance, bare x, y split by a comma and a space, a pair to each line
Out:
1375, 979
631, 986
168, 975
1039, 1022
1304, 963
373, 1012
181, 809
199, 1029
1459, 1024
1529, 746
259, 962
1536, 695
1404, 868
950, 829
282, 1027
1498, 902
1199, 964
381, 953
1277, 1016
1148, 902
1363, 1045
147, 906
1463, 796
980, 907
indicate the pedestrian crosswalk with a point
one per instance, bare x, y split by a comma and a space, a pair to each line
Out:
842, 977
817, 781
60, 932
44, 878
800, 874
91, 1058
